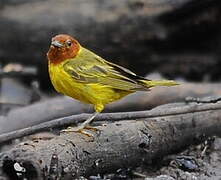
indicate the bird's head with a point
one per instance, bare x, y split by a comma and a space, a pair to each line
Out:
62, 47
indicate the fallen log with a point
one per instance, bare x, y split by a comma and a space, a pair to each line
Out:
118, 145
64, 106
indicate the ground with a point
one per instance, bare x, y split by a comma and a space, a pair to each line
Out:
201, 162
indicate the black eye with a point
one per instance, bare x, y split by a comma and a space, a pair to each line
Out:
69, 43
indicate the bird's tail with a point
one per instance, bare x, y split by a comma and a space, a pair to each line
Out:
153, 83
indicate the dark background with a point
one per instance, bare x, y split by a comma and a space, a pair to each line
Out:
179, 38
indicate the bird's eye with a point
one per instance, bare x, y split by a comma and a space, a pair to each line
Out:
69, 43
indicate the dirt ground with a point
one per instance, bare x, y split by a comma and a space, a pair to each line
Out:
201, 162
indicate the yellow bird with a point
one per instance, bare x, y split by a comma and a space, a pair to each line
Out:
81, 74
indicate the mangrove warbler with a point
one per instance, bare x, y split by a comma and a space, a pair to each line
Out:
81, 74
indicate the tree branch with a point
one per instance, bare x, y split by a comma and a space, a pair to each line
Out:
122, 144
70, 120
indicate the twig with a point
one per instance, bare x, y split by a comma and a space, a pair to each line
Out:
61, 122
203, 100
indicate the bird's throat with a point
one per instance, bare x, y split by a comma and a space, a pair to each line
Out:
57, 56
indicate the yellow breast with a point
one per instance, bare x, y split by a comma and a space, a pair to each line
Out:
65, 84
93, 93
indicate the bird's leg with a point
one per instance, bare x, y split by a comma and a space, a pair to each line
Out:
83, 126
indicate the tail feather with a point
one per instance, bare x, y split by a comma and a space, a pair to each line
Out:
153, 83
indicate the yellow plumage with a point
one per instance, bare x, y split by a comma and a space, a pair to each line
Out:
90, 79
81, 74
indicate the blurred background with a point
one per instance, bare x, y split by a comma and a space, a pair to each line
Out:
171, 39
159, 39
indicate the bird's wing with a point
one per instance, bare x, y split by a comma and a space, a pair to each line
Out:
97, 70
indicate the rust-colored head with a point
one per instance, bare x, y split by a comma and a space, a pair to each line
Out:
62, 47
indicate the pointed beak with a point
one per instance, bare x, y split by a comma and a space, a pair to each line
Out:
56, 44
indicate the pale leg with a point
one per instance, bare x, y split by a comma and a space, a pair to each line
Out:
83, 126
86, 123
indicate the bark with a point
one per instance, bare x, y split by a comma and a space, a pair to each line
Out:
62, 106
118, 145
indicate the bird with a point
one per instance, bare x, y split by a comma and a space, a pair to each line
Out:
81, 74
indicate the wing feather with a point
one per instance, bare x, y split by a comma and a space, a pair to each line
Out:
94, 69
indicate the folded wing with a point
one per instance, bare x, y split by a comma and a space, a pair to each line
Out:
97, 70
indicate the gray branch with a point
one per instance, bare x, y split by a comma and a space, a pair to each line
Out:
121, 144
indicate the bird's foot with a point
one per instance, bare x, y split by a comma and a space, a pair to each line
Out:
82, 130
91, 128
83, 127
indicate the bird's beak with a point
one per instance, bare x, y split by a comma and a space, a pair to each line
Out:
56, 44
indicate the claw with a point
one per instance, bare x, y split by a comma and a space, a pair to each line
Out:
84, 126
77, 130
91, 128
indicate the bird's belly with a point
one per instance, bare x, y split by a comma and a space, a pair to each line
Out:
93, 93
66, 85
71, 88
89, 93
